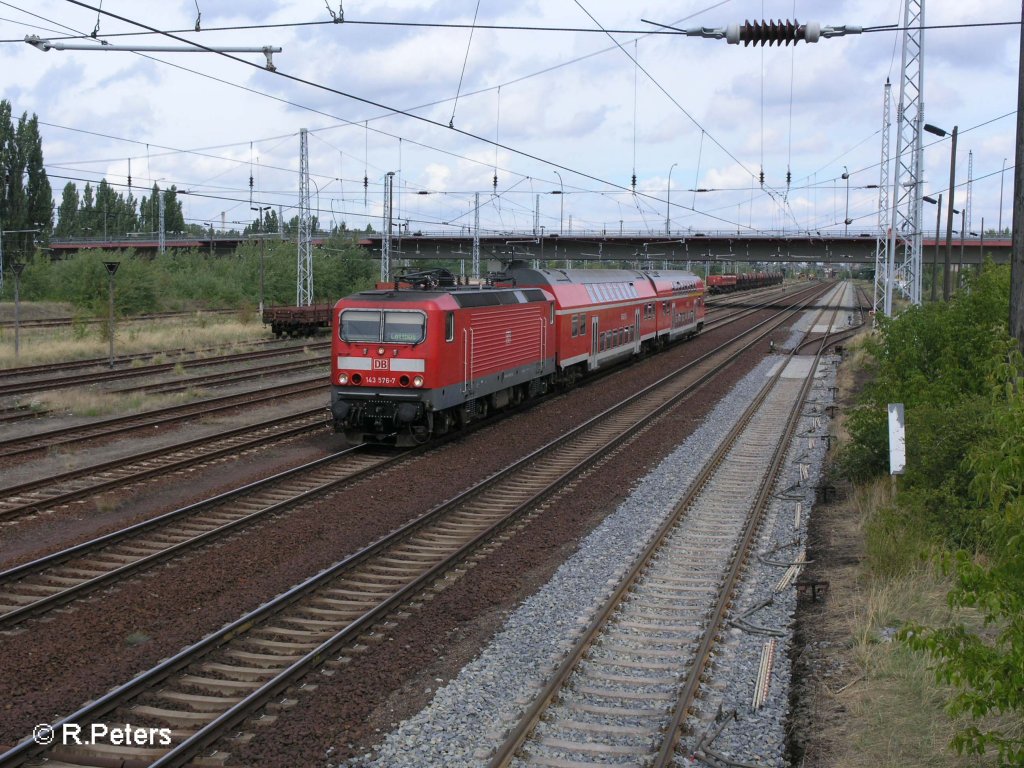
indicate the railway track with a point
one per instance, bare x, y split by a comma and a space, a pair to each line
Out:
210, 688
624, 690
52, 382
229, 377
34, 588
121, 425
50, 492
57, 322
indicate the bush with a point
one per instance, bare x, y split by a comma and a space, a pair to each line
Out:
179, 280
959, 375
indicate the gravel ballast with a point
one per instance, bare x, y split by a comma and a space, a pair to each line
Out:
466, 717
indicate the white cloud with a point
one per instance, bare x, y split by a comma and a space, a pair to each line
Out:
704, 112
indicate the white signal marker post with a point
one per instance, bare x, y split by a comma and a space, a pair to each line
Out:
897, 440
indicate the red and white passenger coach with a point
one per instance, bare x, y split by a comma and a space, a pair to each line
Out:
426, 355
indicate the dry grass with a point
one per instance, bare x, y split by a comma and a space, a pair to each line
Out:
91, 403
82, 340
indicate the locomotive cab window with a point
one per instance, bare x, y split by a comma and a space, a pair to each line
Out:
360, 325
404, 327
373, 326
449, 327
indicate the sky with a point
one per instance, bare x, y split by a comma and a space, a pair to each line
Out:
580, 110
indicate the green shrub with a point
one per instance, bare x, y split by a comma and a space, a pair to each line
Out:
959, 375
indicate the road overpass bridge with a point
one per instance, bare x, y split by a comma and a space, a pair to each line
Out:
855, 249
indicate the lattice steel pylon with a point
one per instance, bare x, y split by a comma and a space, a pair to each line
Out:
162, 237
905, 241
304, 283
385, 241
882, 241
476, 236
970, 191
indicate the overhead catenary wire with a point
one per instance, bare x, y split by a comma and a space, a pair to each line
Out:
496, 27
420, 118
392, 111
469, 44
155, 155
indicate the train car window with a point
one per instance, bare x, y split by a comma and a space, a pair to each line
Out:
360, 325
575, 325
551, 313
449, 327
404, 327
583, 324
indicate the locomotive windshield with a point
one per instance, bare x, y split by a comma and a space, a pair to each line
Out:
374, 326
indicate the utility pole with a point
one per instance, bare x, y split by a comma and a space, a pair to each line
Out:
304, 257
260, 212
476, 237
1017, 259
16, 268
111, 270
882, 275
385, 241
162, 237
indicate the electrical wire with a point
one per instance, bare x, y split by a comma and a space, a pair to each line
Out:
371, 102
722, 2
879, 29
451, 122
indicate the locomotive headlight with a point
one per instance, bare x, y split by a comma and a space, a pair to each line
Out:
343, 378
380, 350
417, 381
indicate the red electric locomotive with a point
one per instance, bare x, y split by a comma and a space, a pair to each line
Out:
409, 363
412, 362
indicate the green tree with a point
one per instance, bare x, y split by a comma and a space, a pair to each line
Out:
87, 214
149, 211
25, 196
67, 213
38, 193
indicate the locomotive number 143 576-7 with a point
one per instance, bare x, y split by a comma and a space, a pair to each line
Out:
383, 381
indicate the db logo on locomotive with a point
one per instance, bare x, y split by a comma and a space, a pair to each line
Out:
381, 364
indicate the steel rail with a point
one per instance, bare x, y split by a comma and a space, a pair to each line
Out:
96, 362
514, 741
229, 377
666, 754
341, 475
119, 425
206, 735
233, 446
183, 753
80, 379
